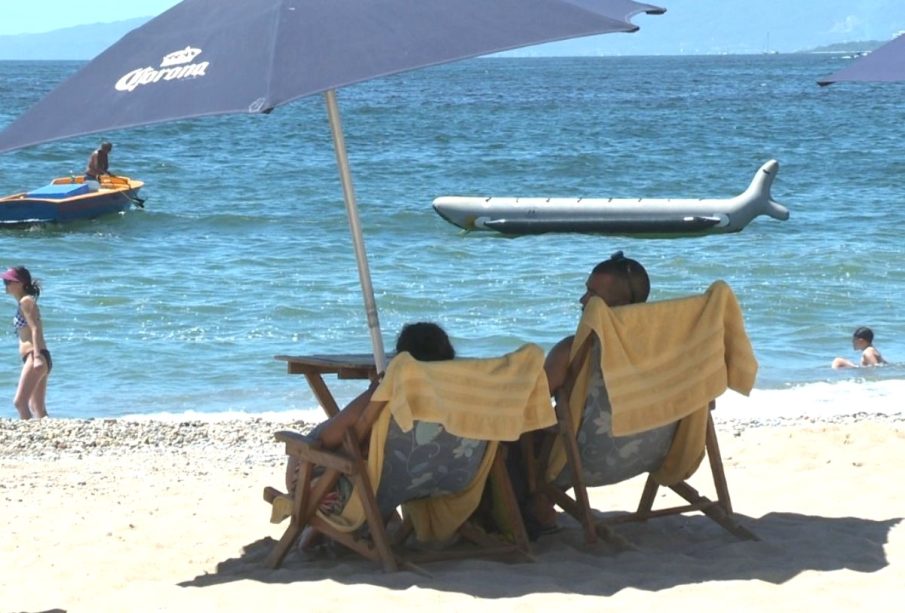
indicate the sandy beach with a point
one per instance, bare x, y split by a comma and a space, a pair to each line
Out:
109, 515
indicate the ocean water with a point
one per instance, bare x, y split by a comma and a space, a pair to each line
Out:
243, 249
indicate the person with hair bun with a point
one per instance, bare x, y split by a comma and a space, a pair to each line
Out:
617, 281
36, 363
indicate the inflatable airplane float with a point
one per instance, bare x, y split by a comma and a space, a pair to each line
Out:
653, 216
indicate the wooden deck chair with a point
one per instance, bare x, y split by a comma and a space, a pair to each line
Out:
671, 445
416, 461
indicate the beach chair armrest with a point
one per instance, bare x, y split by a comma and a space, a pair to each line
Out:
308, 449
296, 439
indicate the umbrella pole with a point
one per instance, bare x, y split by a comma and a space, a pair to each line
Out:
364, 273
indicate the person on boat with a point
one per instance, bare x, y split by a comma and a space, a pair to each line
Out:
99, 162
617, 281
427, 342
36, 363
863, 341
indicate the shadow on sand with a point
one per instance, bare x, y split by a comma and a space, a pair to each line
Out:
671, 552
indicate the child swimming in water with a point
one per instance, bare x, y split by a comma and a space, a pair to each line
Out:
862, 340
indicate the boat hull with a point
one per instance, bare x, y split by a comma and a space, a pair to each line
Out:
114, 195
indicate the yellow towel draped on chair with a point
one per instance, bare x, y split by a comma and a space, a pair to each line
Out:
494, 399
663, 362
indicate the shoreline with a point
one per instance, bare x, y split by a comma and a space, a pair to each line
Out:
253, 436
851, 397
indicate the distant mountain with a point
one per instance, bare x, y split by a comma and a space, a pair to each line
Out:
76, 43
696, 27
850, 47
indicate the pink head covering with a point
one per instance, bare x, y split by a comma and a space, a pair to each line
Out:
11, 275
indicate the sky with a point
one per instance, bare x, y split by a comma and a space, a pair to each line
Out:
34, 16
688, 27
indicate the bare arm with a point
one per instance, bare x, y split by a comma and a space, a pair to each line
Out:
349, 417
556, 366
92, 165
871, 357
843, 363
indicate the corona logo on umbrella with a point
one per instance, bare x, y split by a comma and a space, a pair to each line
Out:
175, 65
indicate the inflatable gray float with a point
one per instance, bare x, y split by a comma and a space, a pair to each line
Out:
655, 216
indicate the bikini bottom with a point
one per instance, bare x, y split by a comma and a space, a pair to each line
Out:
47, 359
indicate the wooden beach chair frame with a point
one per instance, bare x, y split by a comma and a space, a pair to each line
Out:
377, 543
578, 505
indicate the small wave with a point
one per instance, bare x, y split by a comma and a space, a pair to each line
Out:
311, 416
817, 401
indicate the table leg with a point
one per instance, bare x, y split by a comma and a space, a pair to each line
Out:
322, 393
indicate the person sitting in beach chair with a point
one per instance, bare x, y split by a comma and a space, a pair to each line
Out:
425, 341
863, 341
434, 434
637, 398
617, 281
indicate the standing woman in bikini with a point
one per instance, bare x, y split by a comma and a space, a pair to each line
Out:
36, 363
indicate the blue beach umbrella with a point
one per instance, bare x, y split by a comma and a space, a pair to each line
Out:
886, 63
210, 57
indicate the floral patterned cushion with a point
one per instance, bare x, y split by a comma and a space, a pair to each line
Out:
425, 461
605, 458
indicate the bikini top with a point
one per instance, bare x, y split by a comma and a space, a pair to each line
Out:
19, 320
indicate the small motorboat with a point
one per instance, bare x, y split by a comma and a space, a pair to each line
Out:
638, 216
71, 199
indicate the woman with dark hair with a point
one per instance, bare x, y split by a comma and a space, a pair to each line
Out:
427, 342
36, 363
